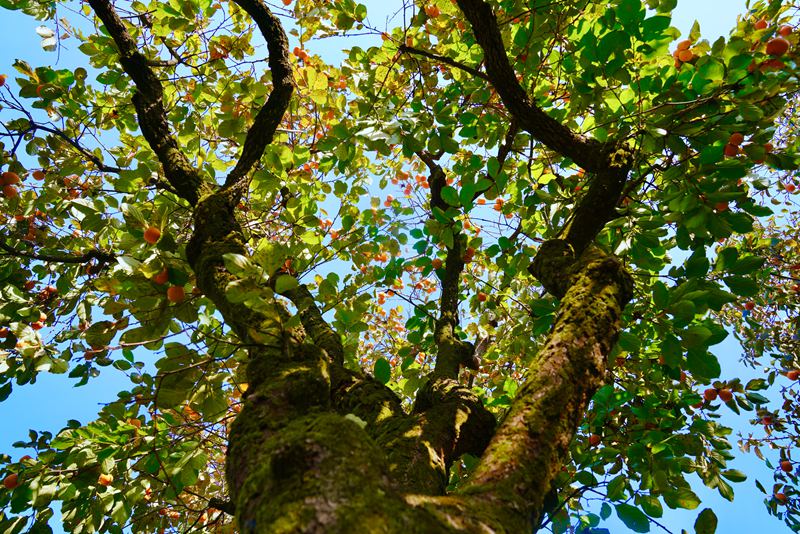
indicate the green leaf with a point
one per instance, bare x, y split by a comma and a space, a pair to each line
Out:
744, 287
382, 370
633, 518
285, 282
734, 475
706, 522
682, 498
450, 195
702, 364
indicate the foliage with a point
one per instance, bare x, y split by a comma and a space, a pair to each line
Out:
393, 163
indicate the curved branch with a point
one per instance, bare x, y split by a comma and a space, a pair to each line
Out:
268, 119
588, 153
149, 104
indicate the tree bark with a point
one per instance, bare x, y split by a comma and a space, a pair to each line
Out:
319, 448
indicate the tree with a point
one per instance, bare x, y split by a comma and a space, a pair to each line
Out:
501, 336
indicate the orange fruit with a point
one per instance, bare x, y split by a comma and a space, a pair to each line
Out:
432, 11
162, 277
777, 46
437, 263
785, 31
105, 480
721, 206
786, 466
287, 2
731, 150
11, 481
725, 395
794, 374
482, 297
594, 440
761, 24
176, 294
38, 175
9, 178
2, 80
10, 191
736, 139
686, 55
152, 235
710, 394
685, 44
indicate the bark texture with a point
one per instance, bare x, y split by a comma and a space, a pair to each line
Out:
320, 448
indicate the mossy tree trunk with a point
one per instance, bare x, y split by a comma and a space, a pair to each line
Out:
300, 458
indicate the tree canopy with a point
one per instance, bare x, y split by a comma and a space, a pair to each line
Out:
463, 279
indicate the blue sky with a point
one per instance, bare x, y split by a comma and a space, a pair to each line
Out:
49, 403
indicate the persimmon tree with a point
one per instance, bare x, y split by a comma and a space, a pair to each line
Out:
464, 279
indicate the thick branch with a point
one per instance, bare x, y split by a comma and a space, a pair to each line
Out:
532, 443
320, 331
269, 117
598, 205
588, 153
149, 104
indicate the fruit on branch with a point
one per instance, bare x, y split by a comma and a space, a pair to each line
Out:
176, 294
725, 395
731, 150
777, 47
152, 235
710, 394
11, 481
162, 277
432, 11
9, 178
105, 480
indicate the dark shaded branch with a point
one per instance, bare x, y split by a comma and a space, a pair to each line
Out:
443, 59
452, 352
149, 104
502, 153
588, 153
597, 206
221, 505
94, 254
269, 117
